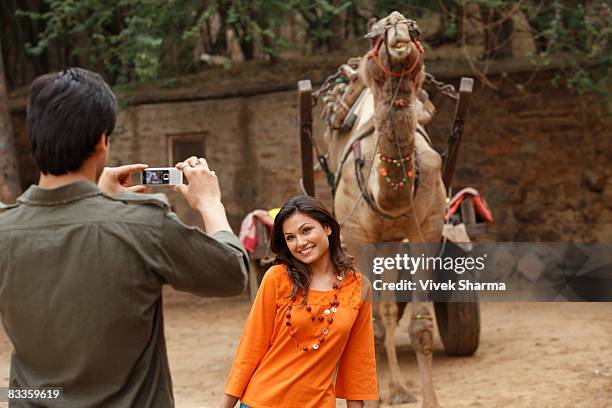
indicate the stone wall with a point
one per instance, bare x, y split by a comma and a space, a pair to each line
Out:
541, 157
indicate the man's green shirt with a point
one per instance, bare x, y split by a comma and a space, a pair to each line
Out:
81, 277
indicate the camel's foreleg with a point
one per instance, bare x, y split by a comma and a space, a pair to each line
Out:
398, 391
420, 328
421, 337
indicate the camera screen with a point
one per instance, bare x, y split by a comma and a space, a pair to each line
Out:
156, 177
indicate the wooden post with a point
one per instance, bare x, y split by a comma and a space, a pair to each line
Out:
305, 103
454, 139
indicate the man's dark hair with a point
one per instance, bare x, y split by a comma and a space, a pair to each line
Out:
67, 113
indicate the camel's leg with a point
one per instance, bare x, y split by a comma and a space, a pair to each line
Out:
421, 322
398, 391
421, 337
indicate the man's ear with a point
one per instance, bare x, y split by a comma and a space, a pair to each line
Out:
103, 145
102, 141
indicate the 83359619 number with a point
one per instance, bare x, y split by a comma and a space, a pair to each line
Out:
31, 394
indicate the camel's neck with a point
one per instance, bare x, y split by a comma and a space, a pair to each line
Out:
395, 120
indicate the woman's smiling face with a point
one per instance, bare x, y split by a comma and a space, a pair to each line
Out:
306, 238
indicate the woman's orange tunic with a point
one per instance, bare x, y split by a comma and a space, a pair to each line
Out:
270, 371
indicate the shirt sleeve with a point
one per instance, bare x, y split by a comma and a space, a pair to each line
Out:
256, 337
205, 265
356, 378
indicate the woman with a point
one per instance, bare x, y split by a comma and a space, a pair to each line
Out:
311, 321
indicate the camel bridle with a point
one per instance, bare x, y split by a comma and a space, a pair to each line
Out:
382, 37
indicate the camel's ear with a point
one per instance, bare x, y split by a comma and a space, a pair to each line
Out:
373, 29
415, 30
371, 23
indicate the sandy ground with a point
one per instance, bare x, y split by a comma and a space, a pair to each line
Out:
530, 355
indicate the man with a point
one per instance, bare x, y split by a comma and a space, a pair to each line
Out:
82, 266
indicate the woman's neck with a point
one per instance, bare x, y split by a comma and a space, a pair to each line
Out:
322, 267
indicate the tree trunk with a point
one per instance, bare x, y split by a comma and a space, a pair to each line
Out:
245, 39
220, 45
10, 186
498, 32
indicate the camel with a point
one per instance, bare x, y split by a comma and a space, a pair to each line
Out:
393, 157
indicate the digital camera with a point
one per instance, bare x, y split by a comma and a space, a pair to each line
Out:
161, 176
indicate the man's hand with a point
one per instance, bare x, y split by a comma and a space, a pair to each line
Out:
115, 180
203, 193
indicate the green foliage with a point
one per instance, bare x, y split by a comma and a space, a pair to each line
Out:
581, 30
143, 40
319, 17
257, 25
411, 9
127, 39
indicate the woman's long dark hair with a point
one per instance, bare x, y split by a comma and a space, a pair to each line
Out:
299, 272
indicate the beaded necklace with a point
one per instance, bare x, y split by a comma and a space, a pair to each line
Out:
395, 184
328, 316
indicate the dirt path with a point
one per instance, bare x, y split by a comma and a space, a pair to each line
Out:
531, 355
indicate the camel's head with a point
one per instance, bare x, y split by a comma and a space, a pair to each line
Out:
397, 37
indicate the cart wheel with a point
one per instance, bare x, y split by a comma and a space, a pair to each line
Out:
457, 312
459, 326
